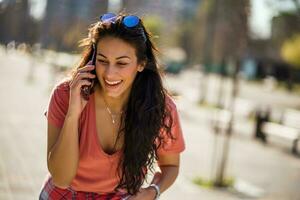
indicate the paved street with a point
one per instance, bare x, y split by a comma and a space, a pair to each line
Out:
269, 169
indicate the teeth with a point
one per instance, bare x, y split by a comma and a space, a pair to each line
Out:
113, 82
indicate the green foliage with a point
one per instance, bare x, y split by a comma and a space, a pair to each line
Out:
290, 51
210, 183
153, 23
204, 183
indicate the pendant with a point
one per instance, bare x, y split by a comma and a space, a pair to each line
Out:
113, 118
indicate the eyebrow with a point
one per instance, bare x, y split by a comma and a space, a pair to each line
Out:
116, 58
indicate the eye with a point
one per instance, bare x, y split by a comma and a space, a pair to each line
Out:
122, 63
102, 61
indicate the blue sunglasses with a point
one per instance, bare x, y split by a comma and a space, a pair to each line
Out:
129, 21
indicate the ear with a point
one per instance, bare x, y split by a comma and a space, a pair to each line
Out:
141, 66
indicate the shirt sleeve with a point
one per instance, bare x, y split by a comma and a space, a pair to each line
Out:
177, 144
58, 105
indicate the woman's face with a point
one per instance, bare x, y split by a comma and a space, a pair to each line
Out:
116, 66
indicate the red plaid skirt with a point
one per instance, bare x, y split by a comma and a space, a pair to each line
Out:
51, 192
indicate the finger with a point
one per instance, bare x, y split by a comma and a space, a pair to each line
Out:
73, 81
90, 63
80, 83
83, 75
83, 82
86, 68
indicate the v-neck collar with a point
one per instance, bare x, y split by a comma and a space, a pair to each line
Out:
95, 133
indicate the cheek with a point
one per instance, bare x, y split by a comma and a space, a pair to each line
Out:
129, 72
99, 71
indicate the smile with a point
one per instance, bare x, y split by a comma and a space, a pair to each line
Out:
112, 83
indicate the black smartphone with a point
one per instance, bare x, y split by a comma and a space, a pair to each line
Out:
86, 90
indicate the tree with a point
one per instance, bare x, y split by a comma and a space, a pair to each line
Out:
154, 23
290, 51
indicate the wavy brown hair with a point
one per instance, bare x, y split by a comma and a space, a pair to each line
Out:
146, 113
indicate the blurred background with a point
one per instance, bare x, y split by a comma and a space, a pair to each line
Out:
233, 67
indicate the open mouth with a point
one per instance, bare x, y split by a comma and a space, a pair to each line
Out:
112, 84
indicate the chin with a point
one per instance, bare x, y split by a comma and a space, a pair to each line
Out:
113, 94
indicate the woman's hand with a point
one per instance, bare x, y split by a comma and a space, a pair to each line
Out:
77, 102
144, 194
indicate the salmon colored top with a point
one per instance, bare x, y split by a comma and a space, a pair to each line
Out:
97, 170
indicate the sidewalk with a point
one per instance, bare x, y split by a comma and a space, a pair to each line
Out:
23, 141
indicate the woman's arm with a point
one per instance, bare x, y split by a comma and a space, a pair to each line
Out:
65, 107
169, 166
63, 151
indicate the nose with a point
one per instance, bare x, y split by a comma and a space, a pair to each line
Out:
110, 70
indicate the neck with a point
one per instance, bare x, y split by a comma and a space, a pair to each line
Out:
115, 104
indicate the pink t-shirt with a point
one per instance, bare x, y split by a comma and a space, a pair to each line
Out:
97, 170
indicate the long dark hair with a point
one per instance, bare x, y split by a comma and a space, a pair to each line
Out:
147, 113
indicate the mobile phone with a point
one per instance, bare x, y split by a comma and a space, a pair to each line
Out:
86, 90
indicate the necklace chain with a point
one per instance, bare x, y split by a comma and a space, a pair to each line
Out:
112, 115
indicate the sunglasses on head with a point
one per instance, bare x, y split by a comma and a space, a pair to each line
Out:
129, 21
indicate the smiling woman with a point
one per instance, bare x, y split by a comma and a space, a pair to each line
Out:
102, 146
118, 67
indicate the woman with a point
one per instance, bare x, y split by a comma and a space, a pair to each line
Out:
112, 119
